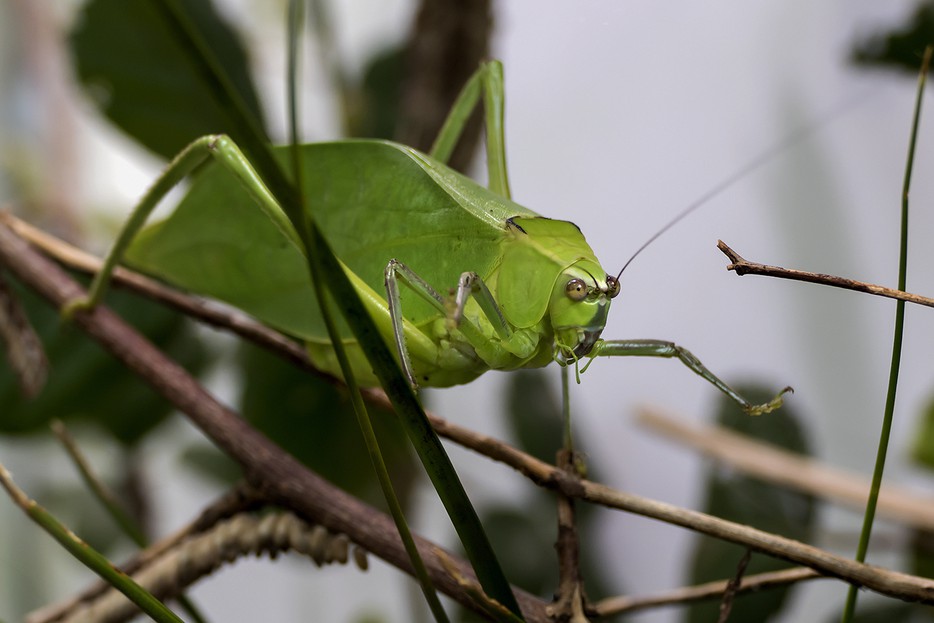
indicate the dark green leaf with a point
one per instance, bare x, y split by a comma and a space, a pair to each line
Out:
132, 65
314, 421
923, 449
749, 501
87, 384
901, 48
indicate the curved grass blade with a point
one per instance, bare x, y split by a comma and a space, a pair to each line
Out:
294, 25
850, 606
250, 136
86, 555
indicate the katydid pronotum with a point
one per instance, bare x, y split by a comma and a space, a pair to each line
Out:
523, 289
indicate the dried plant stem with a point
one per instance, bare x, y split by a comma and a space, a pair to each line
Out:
86, 555
742, 266
244, 534
283, 481
279, 477
760, 581
801, 473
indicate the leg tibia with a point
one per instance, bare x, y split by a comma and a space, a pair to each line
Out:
660, 348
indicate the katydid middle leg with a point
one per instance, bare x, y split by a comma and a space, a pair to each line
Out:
669, 350
510, 343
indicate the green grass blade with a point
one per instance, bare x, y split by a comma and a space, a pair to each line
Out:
870, 513
321, 259
295, 21
89, 557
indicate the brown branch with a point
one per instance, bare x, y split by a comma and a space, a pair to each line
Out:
804, 474
884, 581
280, 478
284, 481
710, 590
743, 267
570, 600
732, 587
214, 314
23, 347
244, 534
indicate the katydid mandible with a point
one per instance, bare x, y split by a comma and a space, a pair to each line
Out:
496, 285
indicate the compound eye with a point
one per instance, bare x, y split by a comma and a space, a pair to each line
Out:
612, 286
576, 289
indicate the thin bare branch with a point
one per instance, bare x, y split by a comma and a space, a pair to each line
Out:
792, 470
743, 267
885, 581
210, 312
23, 347
189, 560
710, 590
280, 478
732, 587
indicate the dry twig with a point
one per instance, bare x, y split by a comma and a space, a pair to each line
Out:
743, 267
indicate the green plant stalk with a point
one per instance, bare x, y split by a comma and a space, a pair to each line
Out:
109, 501
295, 21
252, 138
849, 607
89, 557
103, 494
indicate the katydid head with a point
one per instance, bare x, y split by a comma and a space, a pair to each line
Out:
579, 306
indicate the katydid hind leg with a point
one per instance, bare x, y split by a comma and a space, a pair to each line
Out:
218, 147
670, 350
486, 83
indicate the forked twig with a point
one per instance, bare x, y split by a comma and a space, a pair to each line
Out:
741, 266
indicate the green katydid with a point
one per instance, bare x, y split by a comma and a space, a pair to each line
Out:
524, 289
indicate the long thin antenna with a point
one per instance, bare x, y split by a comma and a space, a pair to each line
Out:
769, 154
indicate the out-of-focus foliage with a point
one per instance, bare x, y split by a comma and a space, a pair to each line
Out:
140, 76
524, 531
900, 48
89, 385
750, 501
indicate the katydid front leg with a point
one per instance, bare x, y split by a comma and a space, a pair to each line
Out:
660, 348
510, 344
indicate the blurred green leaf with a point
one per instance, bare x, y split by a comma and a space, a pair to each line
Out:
900, 48
314, 421
131, 64
523, 531
923, 446
87, 384
750, 501
374, 112
887, 611
534, 413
